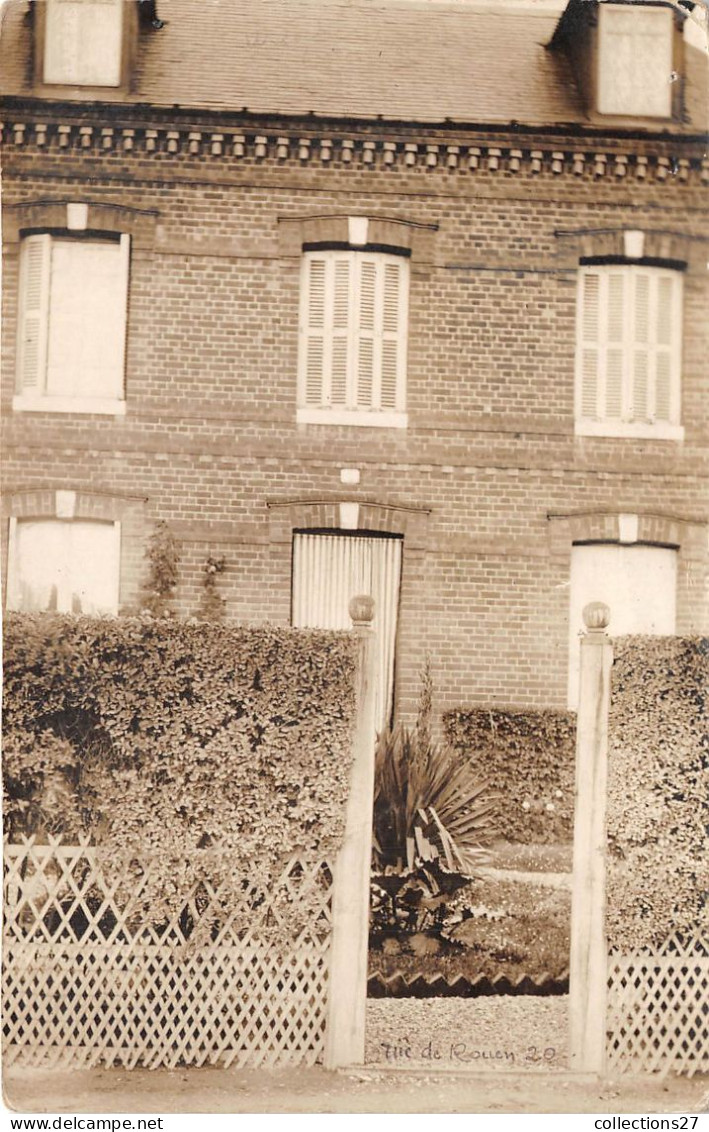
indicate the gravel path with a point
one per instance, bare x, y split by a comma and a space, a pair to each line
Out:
494, 1032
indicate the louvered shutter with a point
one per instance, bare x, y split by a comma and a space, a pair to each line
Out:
35, 275
338, 371
640, 402
590, 344
367, 345
353, 331
667, 347
393, 351
615, 344
313, 330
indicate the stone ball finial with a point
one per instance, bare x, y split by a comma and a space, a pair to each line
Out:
361, 609
596, 615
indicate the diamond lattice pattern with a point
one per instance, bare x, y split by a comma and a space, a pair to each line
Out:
658, 1009
87, 981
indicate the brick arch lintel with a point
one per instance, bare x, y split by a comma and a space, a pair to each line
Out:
595, 243
689, 535
386, 231
102, 216
52, 502
285, 516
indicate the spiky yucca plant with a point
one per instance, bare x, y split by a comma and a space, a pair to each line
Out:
427, 805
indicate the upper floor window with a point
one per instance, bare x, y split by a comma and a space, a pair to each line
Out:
635, 60
72, 324
83, 42
69, 566
628, 359
353, 327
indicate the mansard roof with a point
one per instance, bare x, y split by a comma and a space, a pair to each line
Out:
427, 61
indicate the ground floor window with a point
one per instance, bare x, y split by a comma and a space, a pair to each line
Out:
639, 583
328, 570
69, 566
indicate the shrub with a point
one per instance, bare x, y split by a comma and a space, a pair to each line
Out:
528, 757
658, 790
427, 804
176, 737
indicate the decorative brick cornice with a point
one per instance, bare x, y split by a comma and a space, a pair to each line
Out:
453, 155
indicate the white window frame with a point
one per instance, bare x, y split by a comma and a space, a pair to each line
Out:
30, 395
352, 413
647, 20
79, 67
627, 424
13, 594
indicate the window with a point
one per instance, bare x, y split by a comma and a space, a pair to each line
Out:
638, 583
67, 566
629, 352
635, 60
72, 324
329, 570
352, 365
83, 42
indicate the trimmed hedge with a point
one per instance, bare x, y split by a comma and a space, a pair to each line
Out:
658, 790
528, 758
165, 738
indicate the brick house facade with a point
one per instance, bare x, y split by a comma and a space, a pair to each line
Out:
463, 154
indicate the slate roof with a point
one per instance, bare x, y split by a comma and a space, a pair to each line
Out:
426, 61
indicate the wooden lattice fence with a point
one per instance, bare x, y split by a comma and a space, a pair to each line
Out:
658, 1009
87, 980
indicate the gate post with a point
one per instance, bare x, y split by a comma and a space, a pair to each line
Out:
588, 963
347, 988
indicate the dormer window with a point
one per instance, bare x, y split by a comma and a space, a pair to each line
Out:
83, 42
635, 43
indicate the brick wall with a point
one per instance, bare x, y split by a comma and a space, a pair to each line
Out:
210, 442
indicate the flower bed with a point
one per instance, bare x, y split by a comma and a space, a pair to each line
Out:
516, 929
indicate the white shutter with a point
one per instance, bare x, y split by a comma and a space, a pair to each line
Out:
394, 332
94, 557
337, 374
589, 345
589, 348
328, 570
639, 408
312, 331
83, 42
369, 285
629, 345
87, 328
35, 274
668, 346
352, 352
616, 318
635, 60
